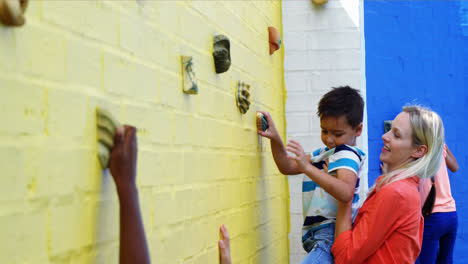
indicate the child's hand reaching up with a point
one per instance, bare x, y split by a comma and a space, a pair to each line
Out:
123, 158
271, 133
302, 160
224, 247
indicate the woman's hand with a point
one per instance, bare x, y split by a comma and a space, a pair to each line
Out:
383, 168
302, 160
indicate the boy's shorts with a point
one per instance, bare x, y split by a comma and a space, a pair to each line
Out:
318, 243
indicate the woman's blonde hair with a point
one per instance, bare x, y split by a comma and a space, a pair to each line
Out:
427, 129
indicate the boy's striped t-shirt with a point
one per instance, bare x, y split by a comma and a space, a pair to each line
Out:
319, 207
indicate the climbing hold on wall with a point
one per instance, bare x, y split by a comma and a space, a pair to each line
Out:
387, 125
106, 127
222, 53
262, 123
243, 97
319, 2
275, 39
190, 80
12, 12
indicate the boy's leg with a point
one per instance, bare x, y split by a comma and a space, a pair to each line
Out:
447, 241
322, 241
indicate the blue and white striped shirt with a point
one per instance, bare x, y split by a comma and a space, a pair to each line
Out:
319, 207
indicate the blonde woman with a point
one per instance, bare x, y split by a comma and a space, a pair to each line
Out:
389, 225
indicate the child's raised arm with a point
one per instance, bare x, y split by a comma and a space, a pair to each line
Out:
284, 164
451, 161
123, 164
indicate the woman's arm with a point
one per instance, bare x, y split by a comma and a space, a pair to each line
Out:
451, 161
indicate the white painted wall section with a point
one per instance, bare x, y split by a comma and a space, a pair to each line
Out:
352, 8
322, 50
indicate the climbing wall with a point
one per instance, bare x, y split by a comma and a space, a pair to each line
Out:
200, 161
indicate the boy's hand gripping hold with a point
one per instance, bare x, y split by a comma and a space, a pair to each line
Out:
271, 133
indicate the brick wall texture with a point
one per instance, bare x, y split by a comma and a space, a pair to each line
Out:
425, 64
322, 50
200, 162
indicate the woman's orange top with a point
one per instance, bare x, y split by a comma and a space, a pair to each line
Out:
387, 229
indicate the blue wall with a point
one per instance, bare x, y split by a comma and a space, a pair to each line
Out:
417, 52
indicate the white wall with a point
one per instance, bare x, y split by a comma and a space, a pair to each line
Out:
322, 50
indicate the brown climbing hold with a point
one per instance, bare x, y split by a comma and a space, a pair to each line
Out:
12, 12
319, 2
274, 38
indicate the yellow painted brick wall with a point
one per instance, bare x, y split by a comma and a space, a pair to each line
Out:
200, 162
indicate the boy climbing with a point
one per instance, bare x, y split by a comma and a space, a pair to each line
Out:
333, 171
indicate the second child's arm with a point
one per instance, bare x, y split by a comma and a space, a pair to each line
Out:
123, 164
451, 161
284, 164
341, 187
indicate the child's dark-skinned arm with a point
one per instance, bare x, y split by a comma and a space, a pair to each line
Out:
285, 165
123, 161
451, 161
340, 187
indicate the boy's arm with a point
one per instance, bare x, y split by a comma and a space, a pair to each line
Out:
284, 164
451, 161
341, 187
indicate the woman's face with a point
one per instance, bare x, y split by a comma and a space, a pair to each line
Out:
398, 146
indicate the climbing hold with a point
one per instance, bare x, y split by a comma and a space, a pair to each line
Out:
106, 128
190, 80
387, 125
319, 2
262, 123
243, 97
222, 53
275, 39
12, 12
